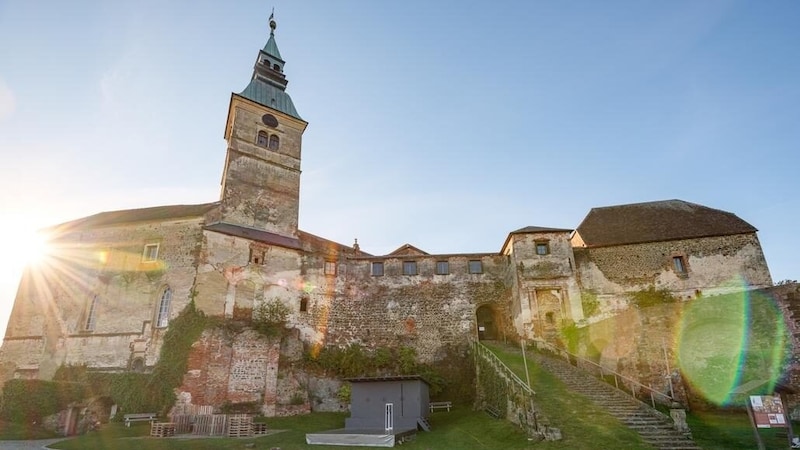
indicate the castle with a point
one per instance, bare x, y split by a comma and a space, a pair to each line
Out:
114, 280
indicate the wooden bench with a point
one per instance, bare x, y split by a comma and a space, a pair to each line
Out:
440, 405
140, 417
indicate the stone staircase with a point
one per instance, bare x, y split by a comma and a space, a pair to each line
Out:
654, 428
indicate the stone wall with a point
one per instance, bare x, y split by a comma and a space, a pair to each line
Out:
52, 308
714, 265
424, 311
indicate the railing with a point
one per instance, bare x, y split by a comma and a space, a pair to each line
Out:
668, 399
483, 351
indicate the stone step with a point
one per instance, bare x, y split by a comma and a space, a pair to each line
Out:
650, 425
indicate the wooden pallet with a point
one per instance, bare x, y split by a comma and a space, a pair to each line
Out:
259, 429
162, 429
240, 425
210, 424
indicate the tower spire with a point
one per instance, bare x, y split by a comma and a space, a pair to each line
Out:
268, 83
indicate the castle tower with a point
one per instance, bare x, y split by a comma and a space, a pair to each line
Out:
261, 178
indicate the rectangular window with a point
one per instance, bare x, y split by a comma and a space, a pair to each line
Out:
150, 252
442, 268
90, 318
377, 269
409, 267
680, 264
330, 268
475, 266
542, 248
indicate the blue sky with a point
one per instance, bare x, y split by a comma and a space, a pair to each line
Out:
441, 124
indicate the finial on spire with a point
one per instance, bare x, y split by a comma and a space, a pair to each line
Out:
272, 23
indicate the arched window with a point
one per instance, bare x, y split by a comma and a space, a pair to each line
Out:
261, 141
276, 68
274, 142
163, 308
90, 318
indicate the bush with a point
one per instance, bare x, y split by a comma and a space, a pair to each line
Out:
269, 318
651, 297
28, 401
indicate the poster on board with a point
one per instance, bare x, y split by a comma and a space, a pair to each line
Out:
768, 411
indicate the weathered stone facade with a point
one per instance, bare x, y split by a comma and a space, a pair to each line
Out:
116, 279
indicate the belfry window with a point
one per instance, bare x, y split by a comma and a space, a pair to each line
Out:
274, 142
162, 319
262, 139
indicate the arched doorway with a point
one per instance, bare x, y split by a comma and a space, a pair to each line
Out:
488, 325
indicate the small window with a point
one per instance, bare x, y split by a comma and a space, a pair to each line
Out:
274, 142
163, 308
276, 68
150, 253
303, 304
442, 268
377, 269
262, 139
137, 365
257, 256
475, 266
679, 262
91, 317
542, 248
330, 268
409, 267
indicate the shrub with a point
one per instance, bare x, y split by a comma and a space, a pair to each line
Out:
28, 401
651, 297
269, 318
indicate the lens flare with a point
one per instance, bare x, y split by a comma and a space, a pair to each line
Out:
727, 340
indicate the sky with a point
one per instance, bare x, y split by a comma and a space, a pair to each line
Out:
444, 124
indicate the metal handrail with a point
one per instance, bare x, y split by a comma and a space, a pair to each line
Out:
486, 352
605, 371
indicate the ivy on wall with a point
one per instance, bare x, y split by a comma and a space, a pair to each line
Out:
133, 392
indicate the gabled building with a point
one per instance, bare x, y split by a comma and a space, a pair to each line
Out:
116, 279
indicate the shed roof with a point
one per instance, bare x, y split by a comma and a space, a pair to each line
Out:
387, 378
664, 220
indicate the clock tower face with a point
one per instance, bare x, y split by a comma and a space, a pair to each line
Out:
269, 120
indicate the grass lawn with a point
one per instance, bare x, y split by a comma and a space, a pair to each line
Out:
458, 429
14, 431
583, 426
723, 430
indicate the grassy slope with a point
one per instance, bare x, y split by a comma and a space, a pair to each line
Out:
583, 424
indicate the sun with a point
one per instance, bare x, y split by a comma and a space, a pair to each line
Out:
31, 247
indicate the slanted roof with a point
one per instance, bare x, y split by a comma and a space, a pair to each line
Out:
534, 229
664, 220
268, 95
125, 216
254, 235
387, 378
271, 48
408, 250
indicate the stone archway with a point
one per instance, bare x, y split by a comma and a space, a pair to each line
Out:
489, 327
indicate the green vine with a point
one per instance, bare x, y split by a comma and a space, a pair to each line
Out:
135, 392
